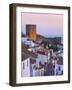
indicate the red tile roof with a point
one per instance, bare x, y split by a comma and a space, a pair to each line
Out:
27, 54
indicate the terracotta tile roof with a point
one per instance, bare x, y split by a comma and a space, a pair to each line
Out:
43, 51
24, 56
23, 47
27, 54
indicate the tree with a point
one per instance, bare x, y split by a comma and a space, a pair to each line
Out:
45, 42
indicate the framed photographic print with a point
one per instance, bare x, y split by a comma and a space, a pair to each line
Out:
39, 44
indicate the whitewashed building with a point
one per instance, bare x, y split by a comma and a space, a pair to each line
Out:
58, 66
43, 56
58, 69
28, 60
27, 64
25, 67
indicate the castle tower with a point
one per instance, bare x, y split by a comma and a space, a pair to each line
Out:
31, 31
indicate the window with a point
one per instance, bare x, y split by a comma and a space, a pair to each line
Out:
23, 66
27, 63
53, 66
59, 68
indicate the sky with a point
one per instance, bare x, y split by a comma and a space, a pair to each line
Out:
48, 25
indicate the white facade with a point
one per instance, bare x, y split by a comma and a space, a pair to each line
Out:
25, 68
24, 39
48, 56
41, 58
36, 72
32, 44
57, 66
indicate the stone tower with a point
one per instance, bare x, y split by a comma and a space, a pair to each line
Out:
31, 31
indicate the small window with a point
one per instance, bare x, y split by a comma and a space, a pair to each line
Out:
27, 63
59, 68
53, 66
23, 66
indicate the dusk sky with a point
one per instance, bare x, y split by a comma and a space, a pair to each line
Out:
49, 25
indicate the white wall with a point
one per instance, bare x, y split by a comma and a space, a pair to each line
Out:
26, 71
41, 58
4, 45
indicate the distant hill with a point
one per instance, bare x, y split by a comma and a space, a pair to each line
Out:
54, 40
51, 40
40, 37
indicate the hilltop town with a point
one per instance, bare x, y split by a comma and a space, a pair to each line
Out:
41, 56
